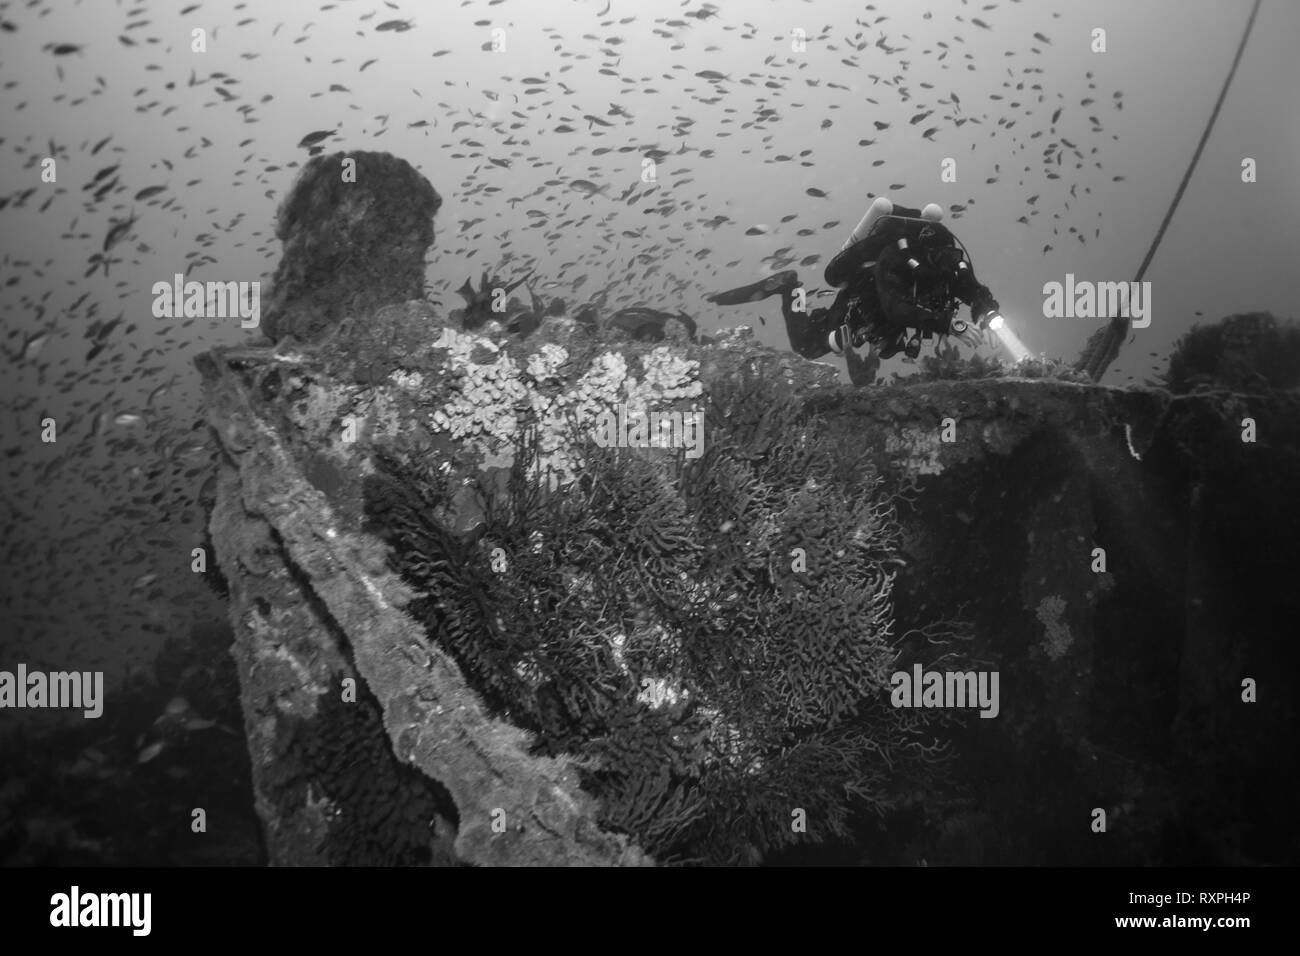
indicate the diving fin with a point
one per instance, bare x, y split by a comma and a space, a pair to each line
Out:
755, 291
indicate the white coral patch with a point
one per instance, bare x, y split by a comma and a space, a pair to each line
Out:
668, 377
916, 450
545, 364
657, 692
486, 407
529, 673
617, 647
483, 409
1051, 614
409, 381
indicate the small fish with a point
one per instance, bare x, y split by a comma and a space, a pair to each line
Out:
588, 188
128, 420
759, 230
311, 139
814, 191
32, 347
103, 174
396, 26
150, 752
1042, 39
149, 191
712, 75
117, 232
143, 581
105, 189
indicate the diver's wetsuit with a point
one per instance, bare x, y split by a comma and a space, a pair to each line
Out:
882, 296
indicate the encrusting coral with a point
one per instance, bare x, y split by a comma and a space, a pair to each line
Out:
489, 390
1057, 638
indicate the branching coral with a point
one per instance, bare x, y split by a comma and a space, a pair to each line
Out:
653, 623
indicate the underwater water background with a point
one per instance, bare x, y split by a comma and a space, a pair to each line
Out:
96, 529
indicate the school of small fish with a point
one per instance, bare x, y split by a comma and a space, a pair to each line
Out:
97, 528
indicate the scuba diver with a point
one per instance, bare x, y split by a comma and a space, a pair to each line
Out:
901, 275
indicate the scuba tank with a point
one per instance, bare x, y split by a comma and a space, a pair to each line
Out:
880, 207
860, 254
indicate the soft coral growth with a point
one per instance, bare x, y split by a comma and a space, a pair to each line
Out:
947, 362
649, 622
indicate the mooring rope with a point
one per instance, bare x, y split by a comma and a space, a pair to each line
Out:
1200, 147
1108, 349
